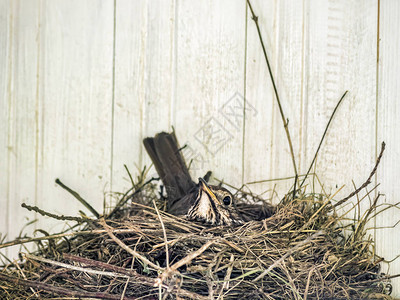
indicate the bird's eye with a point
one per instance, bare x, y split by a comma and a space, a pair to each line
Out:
227, 200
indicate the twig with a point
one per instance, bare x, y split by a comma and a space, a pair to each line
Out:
164, 233
327, 201
129, 174
130, 273
59, 290
308, 284
366, 183
233, 245
184, 261
323, 137
295, 248
124, 290
79, 198
126, 198
273, 179
74, 268
105, 266
126, 248
54, 216
284, 120
23, 275
60, 235
379, 279
294, 187
228, 274
359, 229
188, 258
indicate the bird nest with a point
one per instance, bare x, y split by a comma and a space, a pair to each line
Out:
307, 248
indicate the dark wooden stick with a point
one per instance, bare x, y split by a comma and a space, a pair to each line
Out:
54, 216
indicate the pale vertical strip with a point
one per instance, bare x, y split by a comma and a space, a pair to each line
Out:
5, 60
144, 81
130, 51
387, 240
159, 70
20, 109
340, 55
267, 153
76, 63
159, 66
210, 70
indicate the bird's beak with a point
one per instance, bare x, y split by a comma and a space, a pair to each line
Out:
204, 186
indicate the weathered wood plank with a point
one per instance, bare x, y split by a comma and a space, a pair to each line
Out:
210, 54
179, 63
388, 112
267, 153
144, 74
76, 63
340, 54
128, 121
5, 18
21, 114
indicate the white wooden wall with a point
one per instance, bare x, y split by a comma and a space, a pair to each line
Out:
83, 82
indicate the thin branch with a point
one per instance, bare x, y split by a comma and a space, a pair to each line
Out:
323, 137
59, 290
105, 266
54, 216
366, 183
129, 174
284, 120
74, 268
79, 198
327, 201
184, 261
126, 198
131, 274
187, 259
109, 230
23, 275
164, 233
60, 235
295, 248
228, 274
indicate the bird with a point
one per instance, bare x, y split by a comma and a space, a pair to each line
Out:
201, 202
214, 205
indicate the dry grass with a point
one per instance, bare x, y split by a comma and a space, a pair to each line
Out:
305, 250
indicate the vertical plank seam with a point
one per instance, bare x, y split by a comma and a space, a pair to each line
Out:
244, 93
113, 95
9, 83
305, 92
274, 58
176, 51
142, 78
37, 106
376, 103
302, 130
173, 55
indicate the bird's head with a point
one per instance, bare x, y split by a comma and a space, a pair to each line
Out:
214, 205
